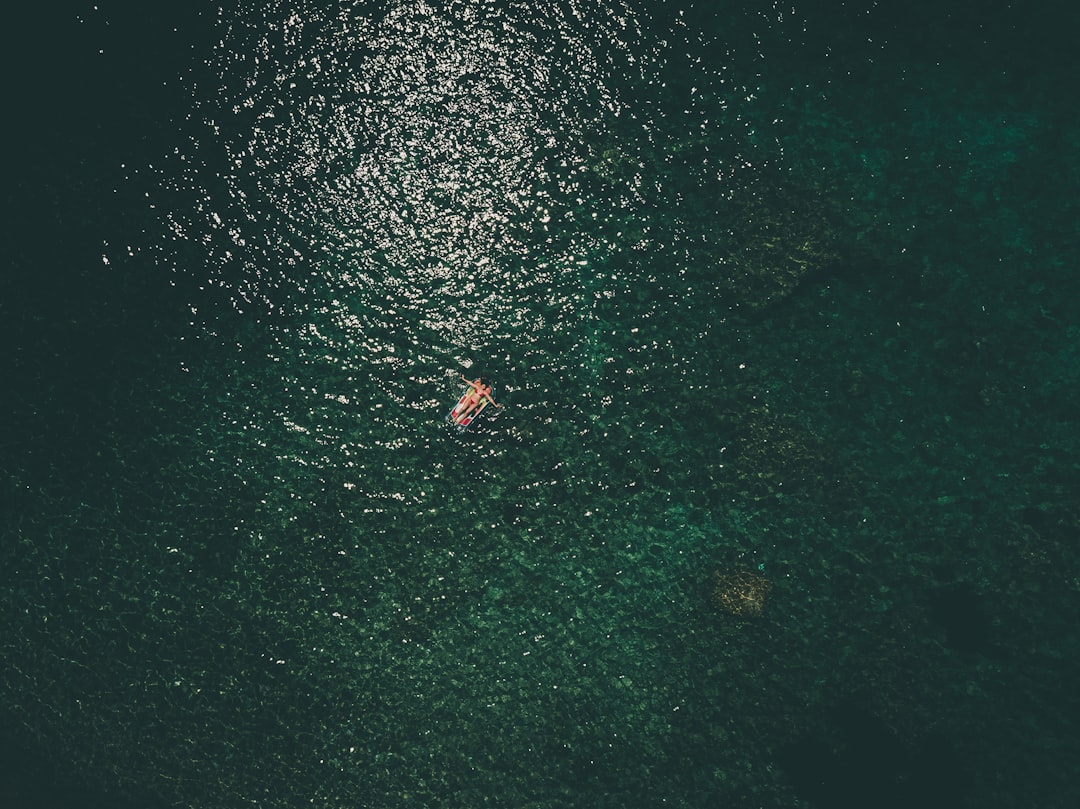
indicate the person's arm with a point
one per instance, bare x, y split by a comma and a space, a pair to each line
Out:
492, 400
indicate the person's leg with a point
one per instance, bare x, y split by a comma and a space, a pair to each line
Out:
467, 407
465, 402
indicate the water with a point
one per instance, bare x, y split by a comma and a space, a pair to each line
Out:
770, 296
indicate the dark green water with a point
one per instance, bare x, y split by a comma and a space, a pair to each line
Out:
771, 292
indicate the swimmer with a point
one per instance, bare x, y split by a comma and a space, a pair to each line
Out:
477, 393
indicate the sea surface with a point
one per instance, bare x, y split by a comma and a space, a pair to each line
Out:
780, 301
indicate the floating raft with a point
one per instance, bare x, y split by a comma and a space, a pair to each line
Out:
454, 416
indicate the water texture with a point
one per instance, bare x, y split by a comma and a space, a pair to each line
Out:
781, 507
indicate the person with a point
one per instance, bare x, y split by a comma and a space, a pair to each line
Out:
477, 393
